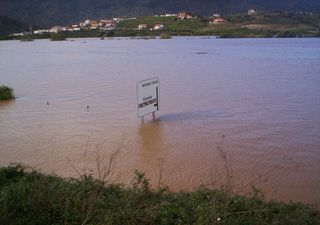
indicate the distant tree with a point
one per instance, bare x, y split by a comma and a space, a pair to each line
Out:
6, 93
58, 37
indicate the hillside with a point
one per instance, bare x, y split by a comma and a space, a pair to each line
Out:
50, 12
8, 26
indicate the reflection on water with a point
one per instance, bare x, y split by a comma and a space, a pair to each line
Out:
263, 94
151, 136
182, 116
151, 142
6, 104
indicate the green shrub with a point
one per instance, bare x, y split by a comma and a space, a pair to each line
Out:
58, 37
6, 93
164, 36
26, 39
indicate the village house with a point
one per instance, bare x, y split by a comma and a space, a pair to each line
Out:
142, 26
70, 29
97, 24
87, 23
94, 25
219, 20
185, 15
168, 15
107, 24
251, 12
76, 27
17, 34
41, 31
158, 27
56, 29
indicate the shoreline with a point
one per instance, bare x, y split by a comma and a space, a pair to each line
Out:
158, 37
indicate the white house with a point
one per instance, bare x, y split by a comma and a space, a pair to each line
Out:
142, 26
56, 29
76, 27
217, 20
17, 34
87, 22
168, 15
41, 31
108, 24
251, 12
185, 15
158, 27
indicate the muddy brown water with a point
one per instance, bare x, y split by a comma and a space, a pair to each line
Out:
262, 94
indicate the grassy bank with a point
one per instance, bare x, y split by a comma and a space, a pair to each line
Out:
30, 197
6, 93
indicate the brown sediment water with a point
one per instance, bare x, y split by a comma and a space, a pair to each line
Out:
76, 106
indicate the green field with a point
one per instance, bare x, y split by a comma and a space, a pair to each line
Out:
239, 25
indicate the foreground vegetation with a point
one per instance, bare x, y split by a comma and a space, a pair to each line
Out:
30, 197
6, 93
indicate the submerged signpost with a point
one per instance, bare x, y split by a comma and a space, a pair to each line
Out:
148, 97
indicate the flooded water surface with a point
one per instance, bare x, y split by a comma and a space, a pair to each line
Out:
261, 95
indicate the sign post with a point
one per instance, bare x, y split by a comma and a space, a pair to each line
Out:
148, 92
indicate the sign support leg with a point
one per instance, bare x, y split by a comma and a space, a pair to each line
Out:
154, 116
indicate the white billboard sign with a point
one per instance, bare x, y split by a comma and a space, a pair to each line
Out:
148, 96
